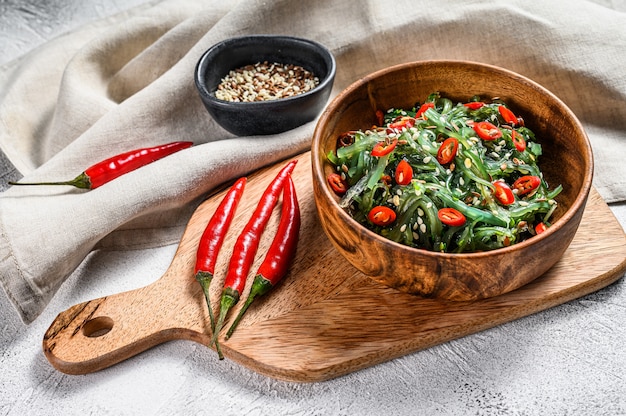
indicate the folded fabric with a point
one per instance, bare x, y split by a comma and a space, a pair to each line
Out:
127, 82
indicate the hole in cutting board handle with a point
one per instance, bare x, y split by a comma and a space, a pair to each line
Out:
97, 327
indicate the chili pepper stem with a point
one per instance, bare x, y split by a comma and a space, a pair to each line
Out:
82, 181
204, 278
260, 286
228, 300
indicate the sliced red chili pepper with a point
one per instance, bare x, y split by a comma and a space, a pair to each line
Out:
423, 109
526, 184
386, 179
503, 193
337, 183
384, 148
381, 215
518, 141
116, 166
487, 131
280, 253
474, 105
380, 117
404, 173
451, 217
507, 115
541, 227
403, 122
447, 150
246, 246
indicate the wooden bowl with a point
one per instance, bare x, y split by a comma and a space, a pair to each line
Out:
567, 160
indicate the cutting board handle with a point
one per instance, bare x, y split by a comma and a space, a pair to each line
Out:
101, 332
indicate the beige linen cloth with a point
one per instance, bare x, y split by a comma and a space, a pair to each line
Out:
127, 82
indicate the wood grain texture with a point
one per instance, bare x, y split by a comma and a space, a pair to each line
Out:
326, 318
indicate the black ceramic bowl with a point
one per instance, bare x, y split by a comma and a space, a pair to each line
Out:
270, 116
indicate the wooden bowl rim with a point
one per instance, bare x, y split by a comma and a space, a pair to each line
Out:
318, 169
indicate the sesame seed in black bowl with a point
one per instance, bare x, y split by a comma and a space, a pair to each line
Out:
265, 84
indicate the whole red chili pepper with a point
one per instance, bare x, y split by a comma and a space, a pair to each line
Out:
280, 253
212, 240
246, 246
116, 166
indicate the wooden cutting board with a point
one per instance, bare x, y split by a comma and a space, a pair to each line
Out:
326, 318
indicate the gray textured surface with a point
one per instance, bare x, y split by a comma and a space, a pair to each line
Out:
569, 360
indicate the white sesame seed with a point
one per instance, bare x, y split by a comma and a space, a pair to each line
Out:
263, 81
